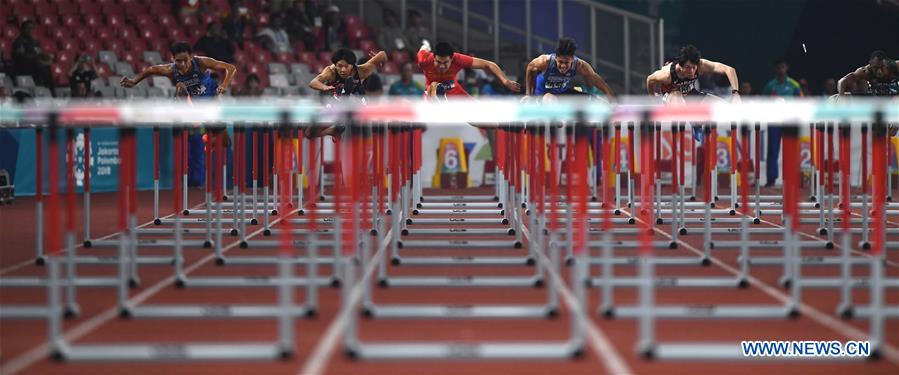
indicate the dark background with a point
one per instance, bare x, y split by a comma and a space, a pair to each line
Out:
751, 34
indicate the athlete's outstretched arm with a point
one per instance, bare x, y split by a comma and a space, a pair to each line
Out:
719, 68
221, 66
659, 77
594, 79
493, 68
319, 83
536, 66
843, 85
155, 70
372, 65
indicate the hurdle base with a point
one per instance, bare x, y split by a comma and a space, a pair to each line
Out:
493, 350
404, 311
171, 352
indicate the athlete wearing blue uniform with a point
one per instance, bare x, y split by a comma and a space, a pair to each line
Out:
553, 74
191, 77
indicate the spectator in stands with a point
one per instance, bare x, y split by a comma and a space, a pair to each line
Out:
251, 87
391, 36
406, 86
29, 58
781, 86
416, 30
189, 7
804, 86
275, 37
216, 44
746, 88
299, 25
830, 87
332, 35
83, 72
237, 21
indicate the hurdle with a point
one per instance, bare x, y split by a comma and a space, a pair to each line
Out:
480, 350
285, 311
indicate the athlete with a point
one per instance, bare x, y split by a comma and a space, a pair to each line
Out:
881, 76
189, 73
441, 68
192, 79
679, 78
554, 73
343, 79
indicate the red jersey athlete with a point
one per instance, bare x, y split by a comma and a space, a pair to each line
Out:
443, 65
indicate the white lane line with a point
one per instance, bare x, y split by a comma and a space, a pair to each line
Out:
27, 263
824, 319
599, 342
41, 352
318, 360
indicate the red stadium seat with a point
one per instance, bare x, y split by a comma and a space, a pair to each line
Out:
70, 21
399, 57
353, 20
390, 68
115, 9
116, 45
325, 56
88, 8
144, 20
66, 58
166, 20
240, 57
196, 33
147, 33
115, 20
60, 74
159, 45
254, 68
175, 33
103, 71
47, 20
92, 20
307, 57
162, 8
131, 57
103, 34
24, 10
285, 57
138, 45
262, 20
44, 9
189, 21
65, 8
10, 32
69, 45
368, 46
262, 57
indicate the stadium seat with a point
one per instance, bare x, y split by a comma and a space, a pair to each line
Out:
42, 92
24, 81
124, 68
279, 80
307, 57
285, 57
161, 82
390, 68
66, 9
277, 68
325, 56
70, 21
299, 68
367, 46
152, 57
105, 90
156, 92
399, 57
